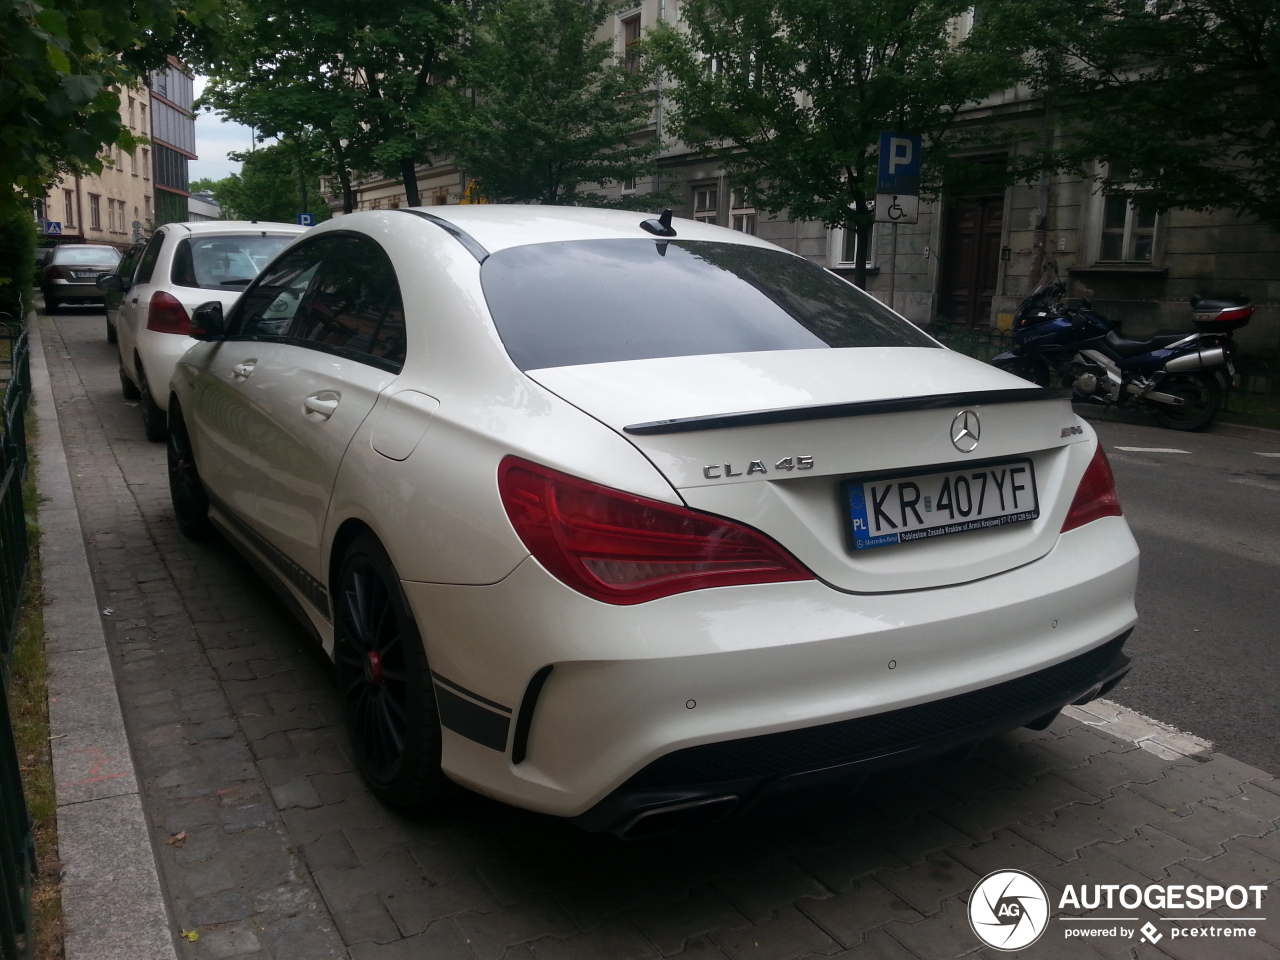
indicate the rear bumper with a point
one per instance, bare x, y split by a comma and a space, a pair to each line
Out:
73, 289
717, 779
630, 687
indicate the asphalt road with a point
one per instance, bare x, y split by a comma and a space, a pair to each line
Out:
1206, 649
1207, 646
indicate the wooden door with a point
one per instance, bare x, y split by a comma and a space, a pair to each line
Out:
970, 260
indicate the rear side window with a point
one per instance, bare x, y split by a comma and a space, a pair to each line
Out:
596, 301
354, 306
337, 293
223, 262
147, 265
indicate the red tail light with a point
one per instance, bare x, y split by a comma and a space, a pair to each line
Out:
1096, 495
165, 314
620, 548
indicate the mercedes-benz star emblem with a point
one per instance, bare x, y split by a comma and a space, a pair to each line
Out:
965, 431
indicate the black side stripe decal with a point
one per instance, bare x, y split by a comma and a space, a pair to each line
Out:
459, 688
307, 585
471, 720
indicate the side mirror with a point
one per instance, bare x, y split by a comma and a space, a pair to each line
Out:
111, 283
207, 322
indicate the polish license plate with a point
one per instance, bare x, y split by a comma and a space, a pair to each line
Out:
85, 274
896, 510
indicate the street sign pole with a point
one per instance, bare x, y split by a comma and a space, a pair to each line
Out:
893, 262
897, 192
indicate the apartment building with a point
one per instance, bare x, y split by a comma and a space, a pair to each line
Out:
970, 259
173, 139
115, 206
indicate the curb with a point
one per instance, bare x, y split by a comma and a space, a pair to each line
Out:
112, 903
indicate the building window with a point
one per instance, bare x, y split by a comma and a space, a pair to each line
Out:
631, 37
142, 116
1128, 231
146, 164
742, 215
706, 204
844, 248
146, 208
95, 212
69, 208
133, 106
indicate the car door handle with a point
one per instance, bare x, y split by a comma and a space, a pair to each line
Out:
321, 404
241, 371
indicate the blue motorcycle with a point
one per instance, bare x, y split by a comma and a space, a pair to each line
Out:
1180, 379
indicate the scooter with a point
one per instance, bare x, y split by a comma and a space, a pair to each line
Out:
1180, 379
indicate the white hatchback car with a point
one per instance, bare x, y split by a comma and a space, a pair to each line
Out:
637, 521
149, 301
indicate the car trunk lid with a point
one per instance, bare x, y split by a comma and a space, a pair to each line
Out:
779, 441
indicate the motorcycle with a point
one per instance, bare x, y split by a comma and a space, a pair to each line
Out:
1180, 379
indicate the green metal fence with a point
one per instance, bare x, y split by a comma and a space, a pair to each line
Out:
17, 847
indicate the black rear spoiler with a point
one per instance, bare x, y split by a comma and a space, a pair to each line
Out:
834, 411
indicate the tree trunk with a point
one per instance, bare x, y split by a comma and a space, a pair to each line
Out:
862, 230
348, 195
409, 171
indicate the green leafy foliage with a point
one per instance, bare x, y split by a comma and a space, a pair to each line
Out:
274, 183
360, 79
60, 61
791, 95
547, 111
17, 262
1181, 97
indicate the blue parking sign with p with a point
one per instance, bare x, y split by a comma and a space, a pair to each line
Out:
899, 163
306, 219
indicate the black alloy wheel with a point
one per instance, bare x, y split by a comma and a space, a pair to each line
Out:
384, 682
190, 502
1202, 396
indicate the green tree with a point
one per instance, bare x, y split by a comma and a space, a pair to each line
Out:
1183, 96
791, 95
274, 183
60, 61
361, 79
547, 111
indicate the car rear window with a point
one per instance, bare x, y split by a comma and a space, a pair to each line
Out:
226, 261
90, 255
596, 301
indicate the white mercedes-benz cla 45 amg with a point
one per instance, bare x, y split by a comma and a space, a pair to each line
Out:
639, 521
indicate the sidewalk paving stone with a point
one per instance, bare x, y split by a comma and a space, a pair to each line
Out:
237, 737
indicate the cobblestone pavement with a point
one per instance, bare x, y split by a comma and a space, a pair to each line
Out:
234, 725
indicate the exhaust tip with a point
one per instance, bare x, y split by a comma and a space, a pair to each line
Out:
659, 821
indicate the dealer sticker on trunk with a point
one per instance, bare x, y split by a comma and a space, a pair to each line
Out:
901, 509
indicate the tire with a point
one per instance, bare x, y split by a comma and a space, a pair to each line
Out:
384, 683
51, 303
155, 422
1027, 369
111, 332
128, 389
190, 502
1203, 394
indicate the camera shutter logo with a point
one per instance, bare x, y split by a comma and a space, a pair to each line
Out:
1008, 910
